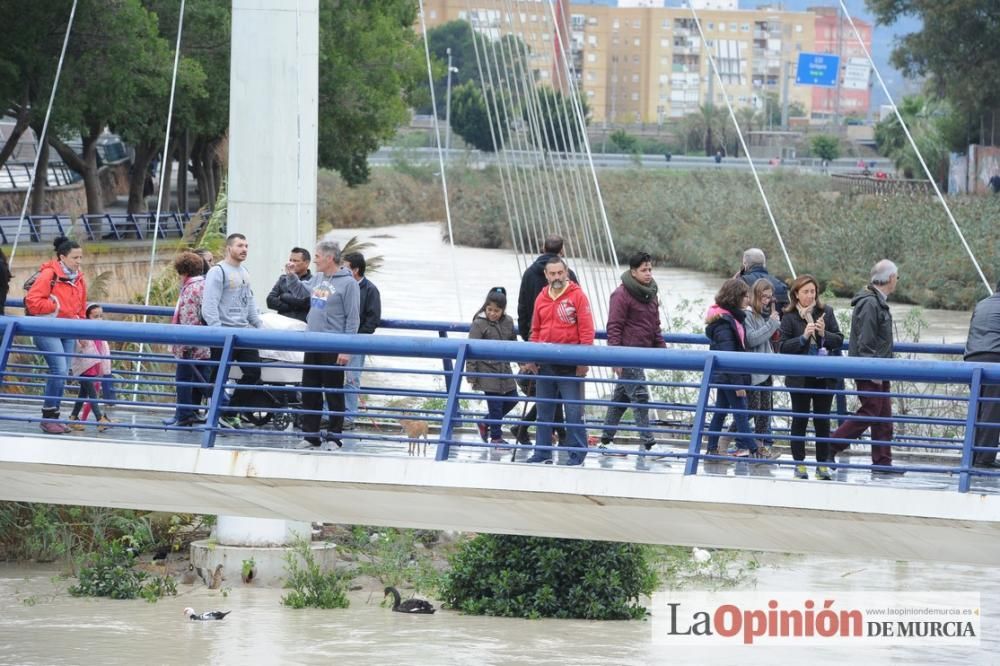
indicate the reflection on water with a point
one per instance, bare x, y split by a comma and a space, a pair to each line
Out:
53, 628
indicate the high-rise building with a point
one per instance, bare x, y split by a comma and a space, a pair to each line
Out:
835, 35
650, 63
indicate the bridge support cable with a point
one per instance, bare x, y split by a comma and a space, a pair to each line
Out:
916, 149
739, 134
159, 190
444, 176
497, 121
45, 133
610, 256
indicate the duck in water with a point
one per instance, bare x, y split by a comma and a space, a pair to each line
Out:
413, 606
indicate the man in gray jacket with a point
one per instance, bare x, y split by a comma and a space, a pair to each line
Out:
228, 302
871, 336
983, 346
334, 299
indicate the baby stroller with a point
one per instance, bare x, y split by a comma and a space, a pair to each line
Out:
275, 393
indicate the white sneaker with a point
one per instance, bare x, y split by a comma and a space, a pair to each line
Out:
305, 444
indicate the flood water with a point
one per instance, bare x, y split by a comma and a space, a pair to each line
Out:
41, 624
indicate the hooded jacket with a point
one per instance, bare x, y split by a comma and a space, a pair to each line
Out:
723, 329
64, 298
335, 301
502, 330
871, 325
984, 329
532, 283
565, 320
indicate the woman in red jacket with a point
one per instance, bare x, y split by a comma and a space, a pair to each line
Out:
59, 291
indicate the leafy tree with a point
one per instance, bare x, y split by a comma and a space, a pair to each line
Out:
624, 141
825, 147
712, 120
532, 577
957, 49
933, 125
557, 115
470, 117
370, 64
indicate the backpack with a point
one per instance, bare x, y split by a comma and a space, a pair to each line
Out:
29, 283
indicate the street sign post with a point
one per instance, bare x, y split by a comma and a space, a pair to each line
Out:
817, 69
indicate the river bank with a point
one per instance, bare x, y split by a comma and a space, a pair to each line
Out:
704, 220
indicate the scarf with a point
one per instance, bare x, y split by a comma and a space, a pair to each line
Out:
71, 276
642, 292
807, 314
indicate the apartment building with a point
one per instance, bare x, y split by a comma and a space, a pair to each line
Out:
642, 63
835, 35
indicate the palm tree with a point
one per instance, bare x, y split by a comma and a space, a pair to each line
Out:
712, 122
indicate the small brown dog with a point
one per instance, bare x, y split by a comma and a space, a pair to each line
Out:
415, 430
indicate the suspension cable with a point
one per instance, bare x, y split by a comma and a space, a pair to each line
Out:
739, 133
909, 137
444, 177
44, 137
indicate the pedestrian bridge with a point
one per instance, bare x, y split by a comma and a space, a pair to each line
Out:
942, 508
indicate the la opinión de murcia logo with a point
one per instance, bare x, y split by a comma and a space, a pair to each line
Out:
789, 618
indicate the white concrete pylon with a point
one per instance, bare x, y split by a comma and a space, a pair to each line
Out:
273, 130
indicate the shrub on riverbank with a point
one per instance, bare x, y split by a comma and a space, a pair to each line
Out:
532, 577
703, 220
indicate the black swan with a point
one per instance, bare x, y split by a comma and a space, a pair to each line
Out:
416, 606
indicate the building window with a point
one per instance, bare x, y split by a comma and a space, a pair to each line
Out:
745, 27
732, 27
591, 40
591, 57
636, 24
711, 26
664, 78
433, 14
635, 42
664, 61
722, 27
590, 76
545, 73
635, 97
635, 59
590, 93
592, 20
798, 27
615, 24
635, 78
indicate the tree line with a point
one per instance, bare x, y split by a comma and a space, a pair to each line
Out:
117, 76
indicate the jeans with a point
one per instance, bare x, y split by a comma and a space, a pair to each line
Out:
634, 395
726, 399
88, 393
352, 382
330, 376
871, 405
566, 385
190, 397
497, 407
57, 352
107, 392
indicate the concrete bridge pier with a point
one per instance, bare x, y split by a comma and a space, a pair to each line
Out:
274, 83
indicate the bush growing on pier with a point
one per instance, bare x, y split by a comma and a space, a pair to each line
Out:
532, 577
309, 586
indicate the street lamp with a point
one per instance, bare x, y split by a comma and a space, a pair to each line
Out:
447, 110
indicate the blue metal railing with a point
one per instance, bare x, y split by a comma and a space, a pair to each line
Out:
104, 226
684, 378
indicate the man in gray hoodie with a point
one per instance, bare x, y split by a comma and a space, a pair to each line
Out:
334, 307
871, 336
228, 301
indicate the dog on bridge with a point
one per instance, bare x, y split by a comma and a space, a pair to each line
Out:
415, 431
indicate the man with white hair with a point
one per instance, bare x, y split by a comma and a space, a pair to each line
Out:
871, 337
755, 268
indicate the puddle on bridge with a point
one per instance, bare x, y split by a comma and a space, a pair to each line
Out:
41, 624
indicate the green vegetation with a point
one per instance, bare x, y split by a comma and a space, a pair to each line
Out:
531, 577
110, 572
395, 556
471, 119
825, 147
309, 586
624, 142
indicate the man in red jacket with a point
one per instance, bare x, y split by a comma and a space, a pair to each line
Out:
633, 321
561, 316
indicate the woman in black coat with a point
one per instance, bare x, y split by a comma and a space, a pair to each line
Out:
809, 328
